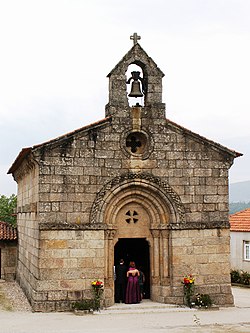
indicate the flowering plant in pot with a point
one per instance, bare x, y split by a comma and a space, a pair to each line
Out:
188, 287
98, 289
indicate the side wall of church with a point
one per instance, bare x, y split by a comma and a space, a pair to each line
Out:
28, 231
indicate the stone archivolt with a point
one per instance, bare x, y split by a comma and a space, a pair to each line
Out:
163, 207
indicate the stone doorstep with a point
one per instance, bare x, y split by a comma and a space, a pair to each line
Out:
147, 306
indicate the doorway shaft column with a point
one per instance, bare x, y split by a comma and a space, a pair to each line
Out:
164, 256
156, 255
109, 256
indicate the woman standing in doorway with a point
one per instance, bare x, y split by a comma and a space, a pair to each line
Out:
133, 294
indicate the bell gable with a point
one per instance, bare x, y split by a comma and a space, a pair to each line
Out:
152, 77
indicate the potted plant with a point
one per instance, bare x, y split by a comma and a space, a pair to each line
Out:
188, 288
98, 288
84, 306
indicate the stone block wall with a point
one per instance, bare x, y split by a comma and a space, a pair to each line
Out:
27, 225
74, 169
72, 172
28, 253
8, 253
206, 255
69, 261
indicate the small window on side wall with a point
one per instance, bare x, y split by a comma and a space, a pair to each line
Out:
246, 250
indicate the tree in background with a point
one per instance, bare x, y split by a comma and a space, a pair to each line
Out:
7, 209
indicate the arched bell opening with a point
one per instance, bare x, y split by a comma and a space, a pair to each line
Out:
136, 89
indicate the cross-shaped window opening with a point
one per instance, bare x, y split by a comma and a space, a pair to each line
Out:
131, 216
134, 143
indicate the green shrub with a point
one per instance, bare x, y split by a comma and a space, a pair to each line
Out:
245, 278
235, 276
85, 304
203, 300
240, 277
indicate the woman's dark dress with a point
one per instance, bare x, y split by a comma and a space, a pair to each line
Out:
133, 294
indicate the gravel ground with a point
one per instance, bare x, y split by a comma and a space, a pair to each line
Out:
13, 298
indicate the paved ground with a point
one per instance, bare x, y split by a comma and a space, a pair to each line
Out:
147, 317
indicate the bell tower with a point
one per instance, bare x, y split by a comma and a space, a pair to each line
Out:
144, 86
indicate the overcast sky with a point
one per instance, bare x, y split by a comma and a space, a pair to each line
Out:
55, 55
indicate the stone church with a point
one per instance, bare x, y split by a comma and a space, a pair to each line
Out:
133, 185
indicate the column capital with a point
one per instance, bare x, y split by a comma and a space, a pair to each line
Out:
110, 233
155, 233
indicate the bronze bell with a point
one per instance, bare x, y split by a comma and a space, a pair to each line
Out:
136, 85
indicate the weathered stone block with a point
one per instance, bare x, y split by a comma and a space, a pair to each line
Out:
51, 263
39, 296
55, 244
62, 306
75, 295
57, 295
43, 306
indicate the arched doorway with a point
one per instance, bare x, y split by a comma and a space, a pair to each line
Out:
137, 250
139, 207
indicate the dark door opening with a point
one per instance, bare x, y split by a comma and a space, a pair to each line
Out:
137, 250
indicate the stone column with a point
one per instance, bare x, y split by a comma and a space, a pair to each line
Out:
164, 255
156, 254
109, 256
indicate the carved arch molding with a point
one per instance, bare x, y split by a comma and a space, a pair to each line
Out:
147, 188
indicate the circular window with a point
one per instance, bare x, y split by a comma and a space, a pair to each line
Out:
136, 143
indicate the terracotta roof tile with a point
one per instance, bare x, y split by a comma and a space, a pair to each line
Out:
7, 232
240, 221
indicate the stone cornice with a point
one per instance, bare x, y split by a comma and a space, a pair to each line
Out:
28, 208
26, 165
100, 226
199, 225
71, 226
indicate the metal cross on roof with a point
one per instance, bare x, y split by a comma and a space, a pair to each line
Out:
135, 38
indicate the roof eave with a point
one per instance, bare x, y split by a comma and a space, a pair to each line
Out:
216, 145
26, 151
21, 156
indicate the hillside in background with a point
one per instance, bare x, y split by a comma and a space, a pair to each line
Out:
235, 207
239, 192
239, 196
